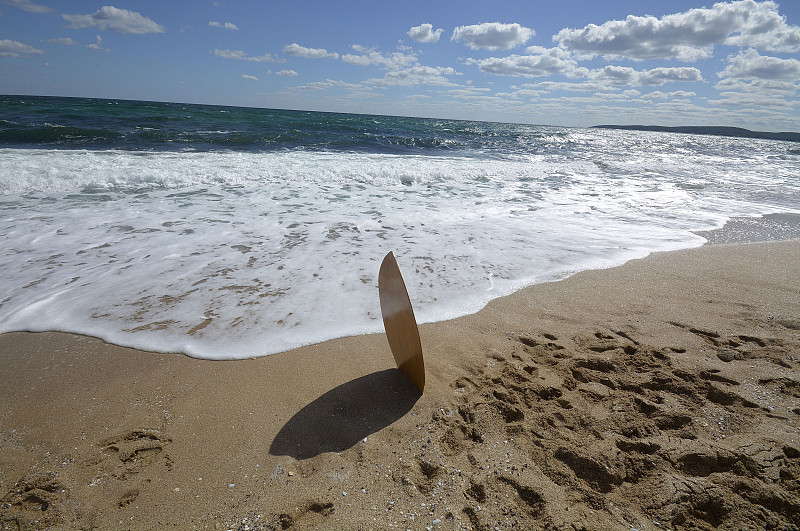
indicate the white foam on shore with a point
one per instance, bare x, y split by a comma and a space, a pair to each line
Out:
232, 255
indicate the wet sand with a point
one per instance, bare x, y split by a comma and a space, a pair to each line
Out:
662, 394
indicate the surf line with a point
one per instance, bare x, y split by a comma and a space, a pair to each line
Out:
399, 322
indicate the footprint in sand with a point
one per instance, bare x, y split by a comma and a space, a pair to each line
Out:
601, 414
128, 497
132, 453
34, 498
309, 516
742, 346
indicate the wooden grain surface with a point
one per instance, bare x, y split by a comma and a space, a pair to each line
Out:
399, 322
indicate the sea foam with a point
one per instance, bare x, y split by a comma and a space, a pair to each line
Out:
239, 254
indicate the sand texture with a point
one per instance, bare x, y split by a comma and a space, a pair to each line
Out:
663, 394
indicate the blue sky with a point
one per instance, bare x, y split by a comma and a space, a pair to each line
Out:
570, 62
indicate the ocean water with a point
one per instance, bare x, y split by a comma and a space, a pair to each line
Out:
225, 232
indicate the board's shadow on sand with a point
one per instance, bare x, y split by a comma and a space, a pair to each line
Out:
346, 414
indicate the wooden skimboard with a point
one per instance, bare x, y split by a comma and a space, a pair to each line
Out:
399, 322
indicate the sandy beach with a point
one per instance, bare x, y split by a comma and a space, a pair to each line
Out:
662, 394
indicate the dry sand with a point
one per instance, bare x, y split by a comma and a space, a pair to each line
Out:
663, 394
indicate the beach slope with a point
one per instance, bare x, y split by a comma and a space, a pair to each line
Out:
662, 394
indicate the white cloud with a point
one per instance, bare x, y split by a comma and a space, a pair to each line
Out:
425, 33
658, 95
309, 53
764, 28
492, 35
561, 53
115, 19
753, 79
740, 100
241, 56
331, 83
619, 96
369, 56
612, 79
539, 62
467, 92
687, 36
97, 46
67, 41
287, 73
28, 5
224, 25
252, 78
752, 65
523, 93
10, 48
624, 75
756, 85
552, 86
417, 75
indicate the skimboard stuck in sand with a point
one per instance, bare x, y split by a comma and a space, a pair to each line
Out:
399, 322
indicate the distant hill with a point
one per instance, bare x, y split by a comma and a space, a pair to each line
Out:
709, 130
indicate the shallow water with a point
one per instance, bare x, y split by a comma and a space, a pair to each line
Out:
211, 239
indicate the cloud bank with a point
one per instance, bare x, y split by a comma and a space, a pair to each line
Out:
751, 65
539, 62
425, 33
28, 5
624, 75
239, 55
115, 19
687, 36
372, 57
296, 50
9, 48
417, 75
492, 35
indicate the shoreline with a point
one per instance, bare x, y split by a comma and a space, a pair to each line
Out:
774, 227
571, 401
763, 228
